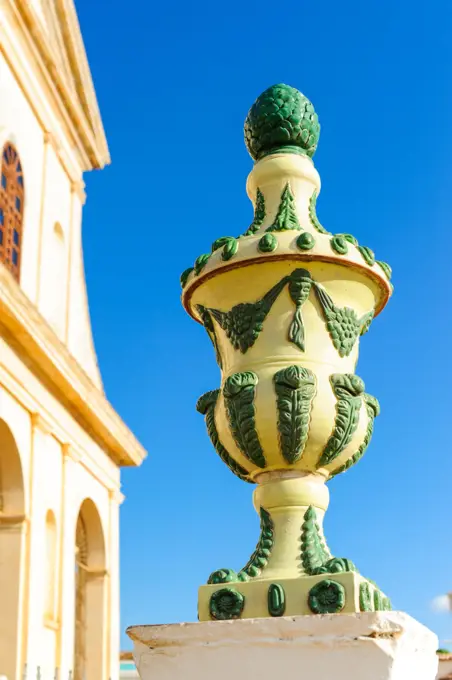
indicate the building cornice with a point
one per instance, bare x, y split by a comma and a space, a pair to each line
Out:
50, 359
82, 118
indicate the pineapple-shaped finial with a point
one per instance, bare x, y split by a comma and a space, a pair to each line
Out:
281, 120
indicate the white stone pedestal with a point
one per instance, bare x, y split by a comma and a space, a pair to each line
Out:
368, 646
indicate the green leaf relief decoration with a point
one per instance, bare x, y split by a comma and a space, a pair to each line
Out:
268, 243
201, 262
342, 323
305, 241
207, 322
184, 276
226, 603
348, 389
373, 410
220, 242
206, 406
336, 565
259, 559
276, 600
339, 244
366, 320
230, 249
327, 597
365, 597
350, 238
244, 322
239, 393
222, 576
299, 288
295, 388
286, 217
314, 553
313, 214
386, 268
368, 255
259, 214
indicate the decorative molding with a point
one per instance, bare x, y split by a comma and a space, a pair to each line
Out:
70, 453
286, 217
295, 389
51, 360
373, 410
206, 406
314, 552
327, 597
80, 112
116, 496
38, 422
348, 389
225, 604
259, 214
259, 559
276, 600
239, 393
78, 188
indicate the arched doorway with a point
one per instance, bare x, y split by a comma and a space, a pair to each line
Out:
89, 648
12, 515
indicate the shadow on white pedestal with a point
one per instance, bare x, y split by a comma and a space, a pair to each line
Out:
367, 646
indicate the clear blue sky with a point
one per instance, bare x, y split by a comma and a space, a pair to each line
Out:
175, 81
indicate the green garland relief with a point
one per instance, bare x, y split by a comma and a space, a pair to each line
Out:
365, 598
259, 559
286, 217
305, 241
313, 214
244, 322
226, 603
339, 244
295, 389
367, 254
268, 243
314, 553
207, 322
259, 214
239, 393
373, 410
327, 597
201, 262
184, 276
276, 600
386, 268
348, 389
342, 323
206, 406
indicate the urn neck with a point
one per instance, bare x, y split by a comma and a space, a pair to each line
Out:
271, 176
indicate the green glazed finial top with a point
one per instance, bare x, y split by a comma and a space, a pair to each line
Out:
281, 120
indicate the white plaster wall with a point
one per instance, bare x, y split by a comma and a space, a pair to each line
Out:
47, 471
79, 334
53, 277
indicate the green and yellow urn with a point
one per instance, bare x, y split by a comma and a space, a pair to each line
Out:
285, 305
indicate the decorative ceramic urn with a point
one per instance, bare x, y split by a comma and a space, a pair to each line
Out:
285, 305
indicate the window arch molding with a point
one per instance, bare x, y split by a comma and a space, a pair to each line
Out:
12, 204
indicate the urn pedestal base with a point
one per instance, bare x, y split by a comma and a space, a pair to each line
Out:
344, 593
370, 646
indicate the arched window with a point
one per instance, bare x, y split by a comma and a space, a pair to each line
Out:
11, 209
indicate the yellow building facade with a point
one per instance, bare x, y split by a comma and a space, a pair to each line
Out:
61, 442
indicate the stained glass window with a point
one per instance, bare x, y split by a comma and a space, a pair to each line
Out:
11, 209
